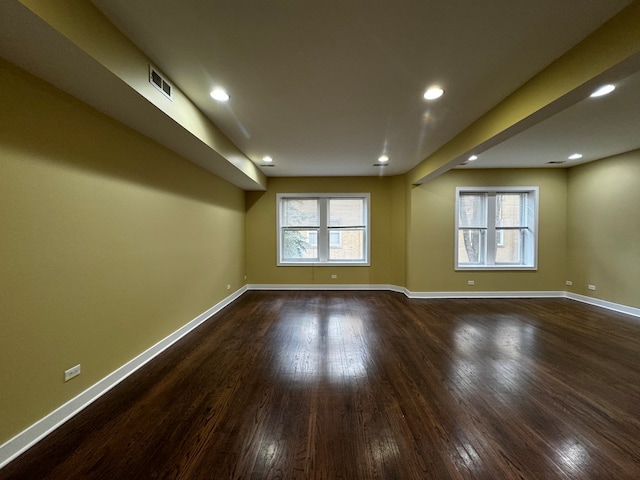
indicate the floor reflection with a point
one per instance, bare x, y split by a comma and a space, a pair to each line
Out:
573, 457
328, 346
492, 355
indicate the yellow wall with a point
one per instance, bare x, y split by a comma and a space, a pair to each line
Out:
430, 253
399, 191
108, 241
387, 231
603, 246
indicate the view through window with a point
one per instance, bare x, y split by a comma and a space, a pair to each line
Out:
323, 228
496, 227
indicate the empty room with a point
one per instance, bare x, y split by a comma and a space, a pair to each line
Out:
331, 240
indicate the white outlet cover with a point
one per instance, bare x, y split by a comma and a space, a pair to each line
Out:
72, 372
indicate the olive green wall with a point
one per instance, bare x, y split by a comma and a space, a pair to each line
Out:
109, 243
430, 251
603, 246
387, 232
399, 191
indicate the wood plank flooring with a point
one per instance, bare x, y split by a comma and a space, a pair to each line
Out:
369, 385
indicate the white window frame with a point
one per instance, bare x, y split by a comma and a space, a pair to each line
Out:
530, 256
324, 229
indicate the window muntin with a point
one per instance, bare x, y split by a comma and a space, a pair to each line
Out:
323, 229
496, 228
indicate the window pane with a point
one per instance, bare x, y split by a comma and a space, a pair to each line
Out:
301, 212
509, 210
470, 246
346, 212
335, 239
472, 211
300, 244
312, 239
510, 249
351, 245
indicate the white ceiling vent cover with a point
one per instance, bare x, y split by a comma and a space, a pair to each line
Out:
159, 82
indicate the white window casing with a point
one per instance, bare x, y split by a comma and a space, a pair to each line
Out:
496, 228
323, 229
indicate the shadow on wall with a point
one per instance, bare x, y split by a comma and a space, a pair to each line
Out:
43, 124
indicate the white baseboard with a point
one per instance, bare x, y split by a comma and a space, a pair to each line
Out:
408, 293
516, 294
426, 295
325, 286
36, 432
604, 304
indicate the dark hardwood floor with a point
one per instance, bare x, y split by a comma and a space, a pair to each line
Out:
369, 385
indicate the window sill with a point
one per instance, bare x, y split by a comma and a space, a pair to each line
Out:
497, 267
323, 264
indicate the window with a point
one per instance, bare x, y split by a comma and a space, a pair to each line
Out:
323, 229
496, 228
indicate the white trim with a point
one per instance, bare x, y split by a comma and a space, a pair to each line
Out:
427, 295
408, 293
323, 243
517, 294
529, 256
36, 432
616, 307
325, 286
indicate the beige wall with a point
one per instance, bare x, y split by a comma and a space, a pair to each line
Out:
399, 192
430, 251
387, 227
603, 246
109, 243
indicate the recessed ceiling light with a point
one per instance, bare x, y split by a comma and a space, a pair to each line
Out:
473, 157
219, 94
575, 156
433, 92
604, 90
267, 159
383, 158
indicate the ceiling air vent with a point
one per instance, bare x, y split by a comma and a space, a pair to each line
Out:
159, 82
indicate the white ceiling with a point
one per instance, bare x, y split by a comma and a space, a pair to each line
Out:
326, 87
594, 127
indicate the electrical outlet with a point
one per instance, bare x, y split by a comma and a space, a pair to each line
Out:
569, 282
72, 372
334, 276
228, 287
591, 287
471, 282
245, 277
